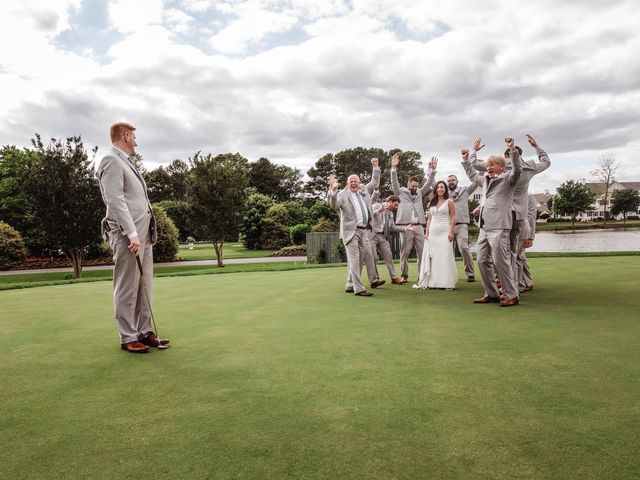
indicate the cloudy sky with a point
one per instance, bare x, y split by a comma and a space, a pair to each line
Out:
293, 80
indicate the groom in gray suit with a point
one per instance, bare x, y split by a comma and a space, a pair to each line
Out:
460, 196
130, 228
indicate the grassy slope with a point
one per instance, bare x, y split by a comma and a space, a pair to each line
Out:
282, 375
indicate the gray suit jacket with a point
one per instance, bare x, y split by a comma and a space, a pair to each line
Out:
408, 202
462, 202
341, 202
378, 224
529, 169
497, 193
124, 193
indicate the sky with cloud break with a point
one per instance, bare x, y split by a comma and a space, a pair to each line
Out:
293, 80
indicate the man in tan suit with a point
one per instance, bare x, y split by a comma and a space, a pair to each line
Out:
129, 226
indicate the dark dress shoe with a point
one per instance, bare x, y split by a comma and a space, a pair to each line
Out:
471, 279
364, 293
527, 289
403, 279
152, 341
509, 302
395, 281
134, 347
486, 299
377, 283
349, 290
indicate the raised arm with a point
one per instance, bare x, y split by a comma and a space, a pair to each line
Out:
431, 176
332, 195
516, 161
374, 184
476, 180
543, 159
395, 185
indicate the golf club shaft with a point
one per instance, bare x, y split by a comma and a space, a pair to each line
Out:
146, 296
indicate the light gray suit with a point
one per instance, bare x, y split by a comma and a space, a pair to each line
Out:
460, 198
124, 193
381, 227
496, 220
528, 233
354, 237
411, 212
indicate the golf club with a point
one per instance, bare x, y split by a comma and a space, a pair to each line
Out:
146, 299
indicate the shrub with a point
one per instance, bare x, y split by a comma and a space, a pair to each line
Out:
290, 251
275, 235
298, 213
12, 249
340, 249
298, 233
179, 212
256, 209
325, 225
166, 248
321, 209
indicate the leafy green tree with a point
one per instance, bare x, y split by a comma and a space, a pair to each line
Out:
278, 182
358, 161
179, 211
297, 212
625, 201
275, 227
168, 183
256, 209
65, 198
321, 209
573, 198
217, 192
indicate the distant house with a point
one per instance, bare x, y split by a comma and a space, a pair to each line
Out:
599, 207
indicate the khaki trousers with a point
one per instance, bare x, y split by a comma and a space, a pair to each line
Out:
408, 240
380, 244
461, 233
494, 258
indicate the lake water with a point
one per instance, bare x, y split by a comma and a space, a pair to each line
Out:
618, 240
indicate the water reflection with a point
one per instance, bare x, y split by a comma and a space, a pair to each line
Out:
586, 241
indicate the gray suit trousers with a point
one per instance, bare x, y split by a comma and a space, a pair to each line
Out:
494, 258
408, 240
358, 252
524, 273
132, 315
461, 233
381, 245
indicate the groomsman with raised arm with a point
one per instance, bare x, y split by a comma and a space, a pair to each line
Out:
530, 168
353, 204
381, 228
496, 221
460, 196
411, 213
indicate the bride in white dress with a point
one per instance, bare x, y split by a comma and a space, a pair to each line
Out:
438, 266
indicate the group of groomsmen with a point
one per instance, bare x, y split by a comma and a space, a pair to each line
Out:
506, 217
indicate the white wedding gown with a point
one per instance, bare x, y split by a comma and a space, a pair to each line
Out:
438, 269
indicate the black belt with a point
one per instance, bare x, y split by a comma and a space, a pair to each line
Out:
361, 228
461, 223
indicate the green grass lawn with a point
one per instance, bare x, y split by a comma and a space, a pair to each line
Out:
205, 251
275, 375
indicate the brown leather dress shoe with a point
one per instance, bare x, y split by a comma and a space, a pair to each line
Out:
528, 289
396, 281
403, 279
134, 347
152, 341
486, 299
364, 293
377, 283
509, 302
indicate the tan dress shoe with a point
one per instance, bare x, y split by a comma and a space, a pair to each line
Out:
134, 347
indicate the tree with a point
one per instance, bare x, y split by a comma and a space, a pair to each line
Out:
167, 183
12, 247
256, 209
65, 198
573, 198
217, 190
278, 182
358, 161
625, 201
604, 172
179, 211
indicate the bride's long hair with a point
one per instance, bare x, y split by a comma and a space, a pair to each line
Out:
434, 200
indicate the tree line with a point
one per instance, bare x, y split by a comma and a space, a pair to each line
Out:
50, 203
